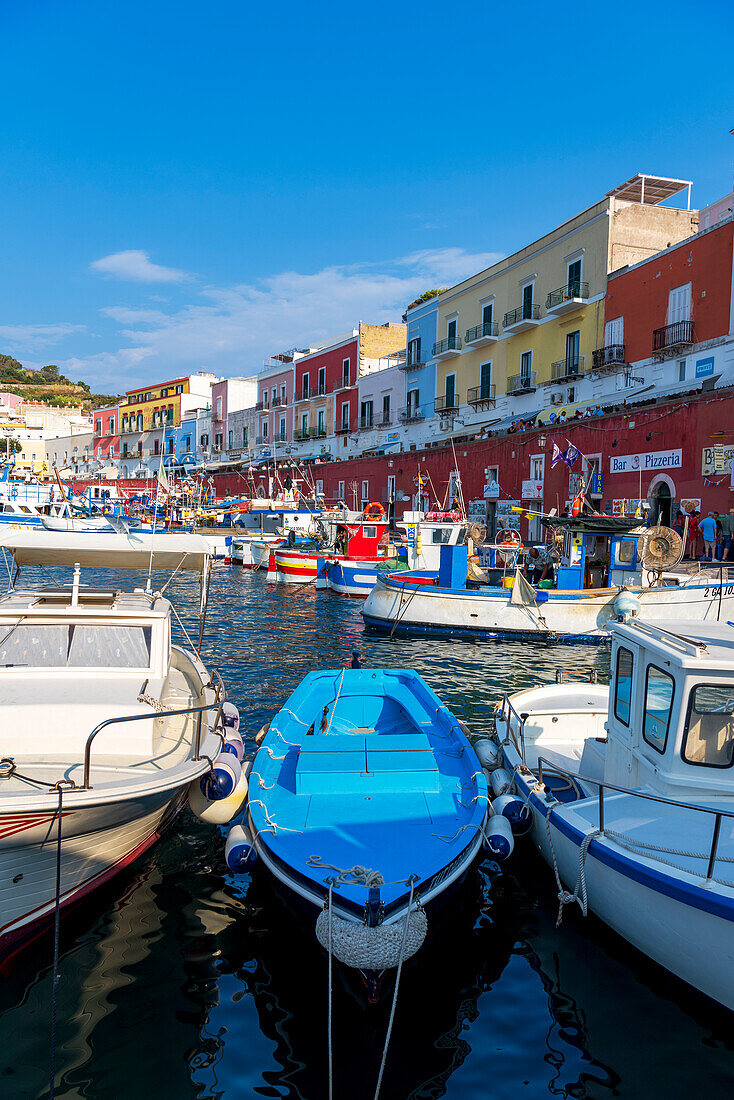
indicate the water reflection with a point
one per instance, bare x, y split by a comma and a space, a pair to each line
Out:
181, 980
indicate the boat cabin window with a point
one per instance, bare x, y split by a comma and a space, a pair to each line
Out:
75, 646
625, 551
709, 732
623, 685
659, 691
369, 532
441, 534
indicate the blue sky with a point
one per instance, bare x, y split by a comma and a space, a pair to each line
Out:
188, 186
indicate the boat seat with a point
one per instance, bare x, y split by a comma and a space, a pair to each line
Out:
364, 764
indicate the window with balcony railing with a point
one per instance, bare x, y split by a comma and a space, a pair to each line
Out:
481, 393
489, 328
520, 383
612, 355
450, 343
571, 367
528, 311
672, 336
573, 289
447, 402
412, 412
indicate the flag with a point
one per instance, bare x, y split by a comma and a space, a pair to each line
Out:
162, 478
558, 455
572, 453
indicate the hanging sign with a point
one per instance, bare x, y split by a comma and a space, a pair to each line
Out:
532, 490
491, 490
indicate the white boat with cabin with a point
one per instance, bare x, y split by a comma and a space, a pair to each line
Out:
631, 790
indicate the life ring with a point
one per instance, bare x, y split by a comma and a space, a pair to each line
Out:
374, 511
14, 493
576, 507
511, 540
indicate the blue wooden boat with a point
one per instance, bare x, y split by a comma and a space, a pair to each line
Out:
368, 802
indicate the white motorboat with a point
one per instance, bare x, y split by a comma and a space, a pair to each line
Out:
107, 725
631, 793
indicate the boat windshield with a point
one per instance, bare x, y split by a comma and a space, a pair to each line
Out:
709, 733
67, 645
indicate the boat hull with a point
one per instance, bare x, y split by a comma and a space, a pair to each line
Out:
403, 608
679, 924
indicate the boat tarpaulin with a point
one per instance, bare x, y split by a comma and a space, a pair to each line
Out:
113, 550
592, 525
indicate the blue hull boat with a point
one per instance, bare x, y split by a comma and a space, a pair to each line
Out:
367, 801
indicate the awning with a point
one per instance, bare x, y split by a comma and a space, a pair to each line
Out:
113, 550
504, 424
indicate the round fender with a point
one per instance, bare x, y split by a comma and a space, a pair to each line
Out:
218, 813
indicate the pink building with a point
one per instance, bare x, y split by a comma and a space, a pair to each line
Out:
275, 399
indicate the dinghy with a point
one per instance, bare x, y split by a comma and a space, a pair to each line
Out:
367, 801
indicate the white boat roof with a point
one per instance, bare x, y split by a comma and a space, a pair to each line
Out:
107, 550
692, 645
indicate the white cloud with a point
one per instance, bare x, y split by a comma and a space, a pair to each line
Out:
135, 266
30, 338
230, 330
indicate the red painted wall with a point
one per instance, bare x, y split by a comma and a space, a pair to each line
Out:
332, 360
640, 295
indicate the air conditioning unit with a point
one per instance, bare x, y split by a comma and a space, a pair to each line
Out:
445, 425
556, 399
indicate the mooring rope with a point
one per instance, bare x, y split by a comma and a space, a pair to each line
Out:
395, 992
336, 700
55, 975
330, 1035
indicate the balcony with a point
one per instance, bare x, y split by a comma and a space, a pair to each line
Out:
278, 402
261, 441
413, 412
480, 335
412, 363
518, 384
304, 395
343, 429
446, 403
669, 339
300, 434
609, 357
260, 406
444, 349
564, 370
320, 390
341, 385
366, 423
567, 298
521, 319
481, 397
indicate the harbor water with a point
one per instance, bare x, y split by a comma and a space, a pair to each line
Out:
180, 979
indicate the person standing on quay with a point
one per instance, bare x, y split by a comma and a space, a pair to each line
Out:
708, 530
727, 533
692, 534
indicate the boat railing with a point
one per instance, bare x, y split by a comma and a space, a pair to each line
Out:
507, 710
603, 785
563, 676
218, 703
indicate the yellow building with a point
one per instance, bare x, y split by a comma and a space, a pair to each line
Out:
155, 406
535, 318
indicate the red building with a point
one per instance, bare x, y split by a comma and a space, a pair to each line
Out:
106, 433
325, 397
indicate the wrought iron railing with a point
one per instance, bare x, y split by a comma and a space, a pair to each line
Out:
451, 343
611, 355
530, 312
571, 367
447, 402
413, 363
413, 412
575, 289
520, 383
489, 328
672, 336
481, 393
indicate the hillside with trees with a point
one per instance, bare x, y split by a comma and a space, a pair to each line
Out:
48, 385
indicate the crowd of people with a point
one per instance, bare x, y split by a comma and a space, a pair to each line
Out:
714, 534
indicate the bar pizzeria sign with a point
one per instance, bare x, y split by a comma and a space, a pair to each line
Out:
646, 461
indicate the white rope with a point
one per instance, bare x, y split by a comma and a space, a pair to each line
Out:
156, 704
633, 846
331, 963
352, 876
268, 819
333, 709
395, 992
564, 897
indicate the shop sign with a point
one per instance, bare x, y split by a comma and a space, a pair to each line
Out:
596, 483
704, 367
716, 459
532, 490
646, 461
492, 490
629, 506
393, 437
691, 505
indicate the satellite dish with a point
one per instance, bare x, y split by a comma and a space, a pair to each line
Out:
478, 533
660, 548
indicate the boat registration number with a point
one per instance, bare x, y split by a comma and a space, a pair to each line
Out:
711, 593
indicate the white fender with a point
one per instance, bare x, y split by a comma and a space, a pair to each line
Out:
517, 813
488, 753
223, 810
498, 839
500, 781
239, 851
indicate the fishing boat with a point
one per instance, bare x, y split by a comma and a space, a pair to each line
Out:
363, 541
630, 793
108, 726
268, 524
367, 802
605, 568
423, 535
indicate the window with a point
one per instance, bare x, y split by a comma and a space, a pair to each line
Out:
164, 392
156, 446
391, 488
218, 441
487, 313
573, 288
340, 490
98, 426
319, 488
266, 400
204, 440
708, 739
370, 532
526, 368
623, 686
346, 363
80, 646
169, 446
412, 402
320, 423
527, 300
187, 443
573, 340
264, 429
244, 437
322, 380
386, 408
365, 490
282, 428
679, 304
440, 535
659, 691
304, 425
345, 415
485, 380
682, 370
179, 389
304, 385
450, 391
140, 422
274, 394
282, 394
414, 350
537, 467
614, 332
451, 329
366, 414
230, 438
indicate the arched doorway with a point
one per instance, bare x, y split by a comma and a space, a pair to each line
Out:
661, 495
